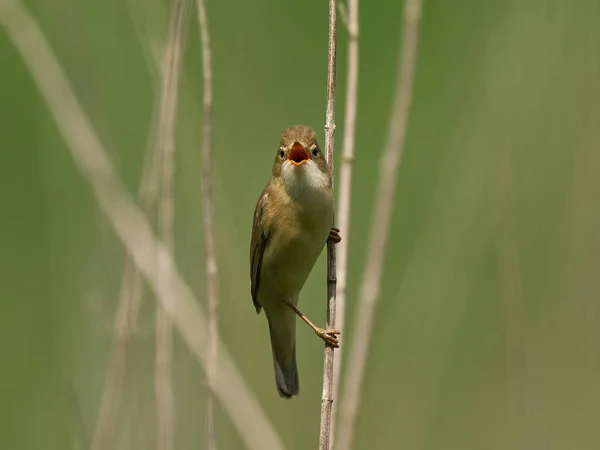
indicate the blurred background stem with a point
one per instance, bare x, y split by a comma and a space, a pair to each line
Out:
349, 16
212, 271
166, 143
381, 220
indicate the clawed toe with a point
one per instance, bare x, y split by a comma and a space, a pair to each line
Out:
334, 235
329, 336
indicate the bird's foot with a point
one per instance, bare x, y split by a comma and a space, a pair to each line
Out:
329, 336
334, 235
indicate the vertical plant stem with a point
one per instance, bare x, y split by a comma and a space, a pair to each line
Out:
380, 225
212, 275
130, 297
124, 326
327, 397
345, 190
166, 146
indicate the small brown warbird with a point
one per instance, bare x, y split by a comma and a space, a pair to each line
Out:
292, 223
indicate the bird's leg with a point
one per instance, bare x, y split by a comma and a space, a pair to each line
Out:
329, 336
334, 235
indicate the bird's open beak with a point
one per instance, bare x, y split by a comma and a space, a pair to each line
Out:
298, 154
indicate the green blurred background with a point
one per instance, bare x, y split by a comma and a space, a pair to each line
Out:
487, 331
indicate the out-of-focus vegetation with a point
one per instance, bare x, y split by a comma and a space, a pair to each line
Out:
487, 332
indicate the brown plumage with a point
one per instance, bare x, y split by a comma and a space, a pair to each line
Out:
292, 222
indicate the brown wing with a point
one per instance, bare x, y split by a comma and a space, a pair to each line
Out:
260, 239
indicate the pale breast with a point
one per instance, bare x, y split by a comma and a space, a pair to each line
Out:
297, 237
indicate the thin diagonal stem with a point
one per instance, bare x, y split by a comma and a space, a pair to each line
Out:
380, 225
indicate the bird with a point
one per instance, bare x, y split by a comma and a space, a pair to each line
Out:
292, 223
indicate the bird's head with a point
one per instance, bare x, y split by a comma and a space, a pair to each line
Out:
299, 161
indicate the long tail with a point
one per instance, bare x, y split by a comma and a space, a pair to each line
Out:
283, 345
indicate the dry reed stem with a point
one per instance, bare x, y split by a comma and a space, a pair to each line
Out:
124, 326
130, 224
165, 146
130, 298
212, 272
380, 225
351, 23
327, 397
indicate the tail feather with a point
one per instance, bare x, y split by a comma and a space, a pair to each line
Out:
283, 346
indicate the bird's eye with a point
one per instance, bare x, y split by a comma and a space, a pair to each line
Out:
281, 154
315, 151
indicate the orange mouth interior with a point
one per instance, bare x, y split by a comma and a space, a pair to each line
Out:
298, 155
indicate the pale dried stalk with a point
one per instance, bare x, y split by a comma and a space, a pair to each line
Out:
327, 397
130, 224
212, 274
165, 142
344, 190
163, 381
128, 306
380, 225
124, 326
